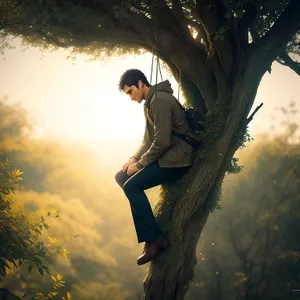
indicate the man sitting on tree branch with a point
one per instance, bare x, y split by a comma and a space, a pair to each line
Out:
162, 157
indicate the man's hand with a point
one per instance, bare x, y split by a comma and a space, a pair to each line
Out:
132, 160
132, 169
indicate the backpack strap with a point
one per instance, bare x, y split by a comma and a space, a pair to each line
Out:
147, 107
148, 117
188, 137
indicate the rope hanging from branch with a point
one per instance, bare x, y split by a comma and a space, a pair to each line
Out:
155, 53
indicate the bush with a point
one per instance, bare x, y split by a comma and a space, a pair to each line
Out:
21, 235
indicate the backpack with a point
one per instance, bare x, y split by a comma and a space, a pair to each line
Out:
195, 123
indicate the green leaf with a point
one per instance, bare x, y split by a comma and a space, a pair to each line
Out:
41, 271
37, 260
46, 269
30, 269
2, 271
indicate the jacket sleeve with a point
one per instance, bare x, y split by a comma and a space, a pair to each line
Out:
146, 143
162, 119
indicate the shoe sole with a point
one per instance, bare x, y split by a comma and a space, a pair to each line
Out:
163, 246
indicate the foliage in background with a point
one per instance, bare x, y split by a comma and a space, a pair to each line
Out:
20, 234
63, 177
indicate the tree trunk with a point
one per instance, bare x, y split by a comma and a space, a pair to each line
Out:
183, 209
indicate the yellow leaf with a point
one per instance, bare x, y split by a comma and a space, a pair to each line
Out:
52, 294
53, 278
64, 253
67, 238
18, 172
59, 277
52, 240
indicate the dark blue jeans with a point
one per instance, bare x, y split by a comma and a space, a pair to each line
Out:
147, 229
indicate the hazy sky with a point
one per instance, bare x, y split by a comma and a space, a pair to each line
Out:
80, 100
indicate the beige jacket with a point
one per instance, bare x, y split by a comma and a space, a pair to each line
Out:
158, 142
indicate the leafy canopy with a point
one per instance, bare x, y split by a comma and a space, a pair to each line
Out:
116, 27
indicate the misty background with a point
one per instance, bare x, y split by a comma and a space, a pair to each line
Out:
67, 127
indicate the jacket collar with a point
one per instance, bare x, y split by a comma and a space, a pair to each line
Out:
164, 86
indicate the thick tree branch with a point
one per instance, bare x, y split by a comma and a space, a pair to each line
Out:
208, 22
285, 60
179, 15
208, 14
275, 41
189, 89
133, 29
174, 22
179, 53
211, 16
162, 15
201, 35
168, 44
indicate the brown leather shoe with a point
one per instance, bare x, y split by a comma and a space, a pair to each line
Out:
151, 250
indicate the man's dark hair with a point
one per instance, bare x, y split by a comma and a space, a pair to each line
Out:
131, 77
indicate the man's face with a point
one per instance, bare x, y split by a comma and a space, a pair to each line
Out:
135, 94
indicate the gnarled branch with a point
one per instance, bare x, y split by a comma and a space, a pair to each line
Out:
179, 15
286, 60
276, 40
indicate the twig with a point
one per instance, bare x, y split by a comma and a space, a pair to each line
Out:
252, 115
